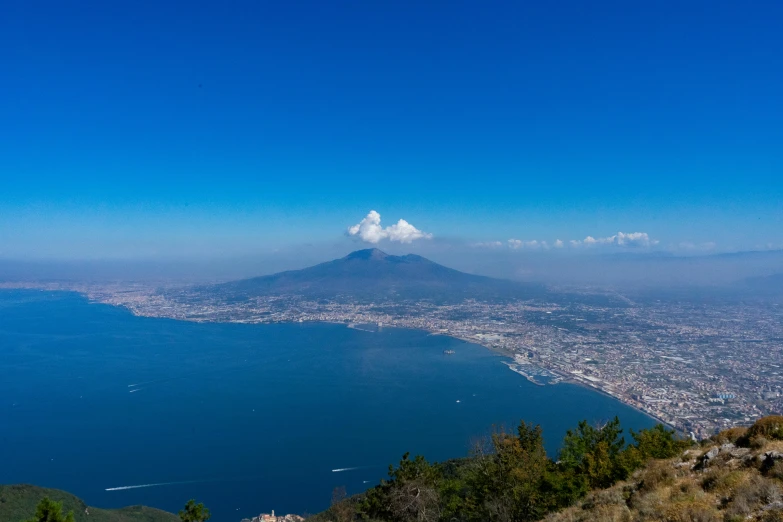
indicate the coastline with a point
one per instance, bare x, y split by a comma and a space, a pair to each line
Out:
566, 377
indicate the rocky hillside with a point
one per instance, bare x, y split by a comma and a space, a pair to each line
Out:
735, 476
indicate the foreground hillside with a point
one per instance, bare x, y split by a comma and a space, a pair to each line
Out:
509, 477
18, 502
737, 475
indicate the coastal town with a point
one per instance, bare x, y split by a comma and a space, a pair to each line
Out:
270, 517
696, 367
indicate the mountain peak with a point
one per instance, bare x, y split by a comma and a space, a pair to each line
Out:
373, 275
368, 253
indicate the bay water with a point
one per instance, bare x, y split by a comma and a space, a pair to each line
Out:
123, 410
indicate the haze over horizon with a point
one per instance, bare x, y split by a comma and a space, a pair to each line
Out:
295, 133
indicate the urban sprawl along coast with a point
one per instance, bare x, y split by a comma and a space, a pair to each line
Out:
697, 367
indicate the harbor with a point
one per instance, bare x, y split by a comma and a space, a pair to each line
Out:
535, 374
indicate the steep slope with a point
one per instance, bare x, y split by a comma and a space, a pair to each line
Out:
18, 502
735, 476
373, 274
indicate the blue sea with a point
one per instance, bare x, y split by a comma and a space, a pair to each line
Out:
245, 418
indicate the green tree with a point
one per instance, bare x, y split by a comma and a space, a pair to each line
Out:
563, 486
594, 453
659, 443
507, 484
50, 511
341, 509
653, 443
410, 494
194, 512
509, 478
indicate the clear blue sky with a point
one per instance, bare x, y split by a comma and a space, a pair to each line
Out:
202, 128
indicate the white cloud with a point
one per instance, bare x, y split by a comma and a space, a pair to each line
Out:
632, 239
404, 232
370, 230
516, 244
621, 239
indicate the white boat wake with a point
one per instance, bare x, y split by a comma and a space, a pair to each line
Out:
338, 470
121, 488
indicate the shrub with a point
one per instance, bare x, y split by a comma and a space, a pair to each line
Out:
656, 475
604, 497
773, 515
757, 442
722, 482
612, 513
731, 435
648, 506
686, 491
776, 470
770, 428
692, 513
342, 508
752, 494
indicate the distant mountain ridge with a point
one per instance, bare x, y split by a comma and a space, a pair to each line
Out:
373, 275
771, 285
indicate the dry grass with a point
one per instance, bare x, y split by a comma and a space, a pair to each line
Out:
757, 442
722, 482
604, 497
752, 495
723, 492
775, 445
693, 512
773, 515
657, 474
727, 489
776, 471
